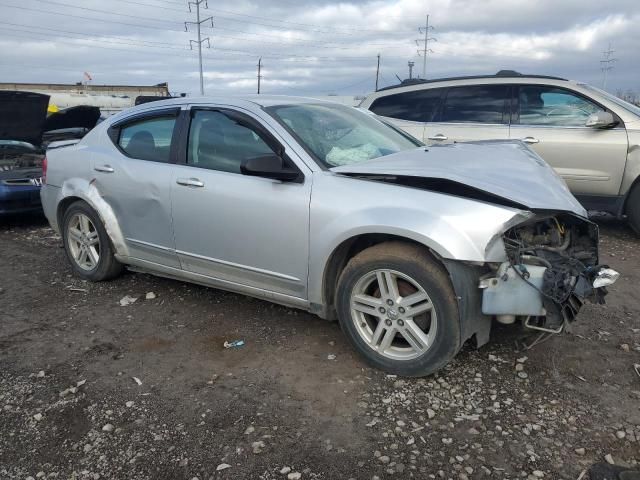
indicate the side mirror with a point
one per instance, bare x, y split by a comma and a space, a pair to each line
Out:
268, 166
600, 119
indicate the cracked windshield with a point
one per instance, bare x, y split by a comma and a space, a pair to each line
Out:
338, 135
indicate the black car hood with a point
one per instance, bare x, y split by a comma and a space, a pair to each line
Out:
82, 116
22, 116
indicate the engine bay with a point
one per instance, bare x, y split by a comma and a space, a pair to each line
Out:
567, 247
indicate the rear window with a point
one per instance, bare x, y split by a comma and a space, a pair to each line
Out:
148, 139
475, 103
416, 106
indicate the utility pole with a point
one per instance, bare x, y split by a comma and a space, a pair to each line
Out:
606, 65
377, 72
259, 76
411, 64
198, 23
425, 47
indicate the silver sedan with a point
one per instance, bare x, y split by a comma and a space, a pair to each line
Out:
325, 208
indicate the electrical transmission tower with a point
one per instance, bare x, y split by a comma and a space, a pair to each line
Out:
425, 45
606, 65
198, 23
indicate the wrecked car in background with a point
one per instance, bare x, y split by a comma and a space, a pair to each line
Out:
322, 207
25, 133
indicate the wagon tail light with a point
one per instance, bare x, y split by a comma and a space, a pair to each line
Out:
44, 170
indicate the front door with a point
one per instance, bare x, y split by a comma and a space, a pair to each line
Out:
242, 230
552, 121
472, 112
134, 178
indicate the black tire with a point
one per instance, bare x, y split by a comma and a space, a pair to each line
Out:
415, 262
107, 266
632, 209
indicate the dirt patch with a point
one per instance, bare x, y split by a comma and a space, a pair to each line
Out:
279, 402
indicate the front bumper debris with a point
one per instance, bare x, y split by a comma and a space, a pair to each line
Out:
552, 270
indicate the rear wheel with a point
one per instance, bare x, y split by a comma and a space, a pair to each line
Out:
397, 307
632, 209
87, 244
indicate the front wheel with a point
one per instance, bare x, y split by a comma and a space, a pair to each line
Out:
397, 307
87, 244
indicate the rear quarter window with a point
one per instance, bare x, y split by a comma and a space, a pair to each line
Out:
148, 139
415, 106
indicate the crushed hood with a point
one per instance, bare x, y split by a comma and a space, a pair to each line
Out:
22, 116
503, 169
82, 116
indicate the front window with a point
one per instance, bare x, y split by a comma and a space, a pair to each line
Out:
218, 142
545, 105
337, 135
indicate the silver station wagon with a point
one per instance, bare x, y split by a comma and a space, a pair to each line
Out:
326, 208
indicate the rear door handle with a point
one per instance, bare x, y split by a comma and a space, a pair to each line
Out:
530, 140
190, 182
104, 168
439, 136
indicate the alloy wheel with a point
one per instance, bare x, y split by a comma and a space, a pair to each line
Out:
393, 314
83, 241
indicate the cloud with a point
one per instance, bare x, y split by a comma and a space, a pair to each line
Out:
311, 47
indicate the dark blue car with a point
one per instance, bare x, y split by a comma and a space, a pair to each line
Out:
25, 131
22, 119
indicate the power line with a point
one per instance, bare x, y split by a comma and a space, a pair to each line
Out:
222, 51
425, 41
259, 73
72, 37
162, 20
166, 29
101, 38
50, 12
96, 10
198, 23
606, 65
314, 27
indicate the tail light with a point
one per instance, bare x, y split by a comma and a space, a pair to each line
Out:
44, 170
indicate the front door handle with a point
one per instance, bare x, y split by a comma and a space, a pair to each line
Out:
530, 140
439, 137
190, 182
104, 168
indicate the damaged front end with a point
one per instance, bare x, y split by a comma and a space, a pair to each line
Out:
551, 270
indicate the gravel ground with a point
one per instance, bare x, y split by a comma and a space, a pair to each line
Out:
90, 389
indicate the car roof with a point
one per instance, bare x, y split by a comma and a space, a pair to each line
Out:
502, 74
230, 100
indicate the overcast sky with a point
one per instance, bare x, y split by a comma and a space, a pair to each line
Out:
314, 47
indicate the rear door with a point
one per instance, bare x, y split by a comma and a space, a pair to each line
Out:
552, 121
471, 112
134, 177
410, 111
